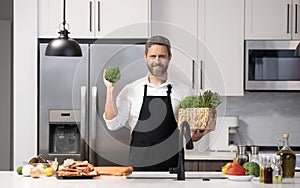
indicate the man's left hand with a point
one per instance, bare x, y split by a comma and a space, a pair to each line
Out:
198, 134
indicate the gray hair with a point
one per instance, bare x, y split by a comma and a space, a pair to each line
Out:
160, 40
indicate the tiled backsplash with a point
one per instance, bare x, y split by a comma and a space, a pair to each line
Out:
265, 116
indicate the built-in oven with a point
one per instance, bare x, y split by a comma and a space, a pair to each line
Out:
271, 65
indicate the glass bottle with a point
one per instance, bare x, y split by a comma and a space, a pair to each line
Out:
288, 157
235, 159
242, 155
254, 154
268, 171
277, 170
262, 168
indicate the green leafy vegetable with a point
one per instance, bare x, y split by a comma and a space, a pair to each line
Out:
252, 168
190, 102
112, 74
209, 99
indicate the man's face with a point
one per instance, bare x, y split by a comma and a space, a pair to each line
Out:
157, 60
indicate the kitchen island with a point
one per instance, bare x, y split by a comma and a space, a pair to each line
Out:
10, 179
207, 160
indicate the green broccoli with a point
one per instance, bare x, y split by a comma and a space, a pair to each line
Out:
252, 168
112, 74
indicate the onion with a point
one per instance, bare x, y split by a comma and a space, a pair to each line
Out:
35, 172
26, 169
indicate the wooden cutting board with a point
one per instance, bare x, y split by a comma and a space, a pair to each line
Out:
114, 170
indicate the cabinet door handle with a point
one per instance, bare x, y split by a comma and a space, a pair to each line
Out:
91, 13
288, 18
193, 74
296, 18
99, 16
201, 75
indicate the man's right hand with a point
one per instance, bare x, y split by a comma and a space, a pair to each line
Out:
110, 110
107, 83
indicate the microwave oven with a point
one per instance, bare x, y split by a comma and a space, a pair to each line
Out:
271, 65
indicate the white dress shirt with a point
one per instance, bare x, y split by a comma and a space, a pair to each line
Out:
129, 100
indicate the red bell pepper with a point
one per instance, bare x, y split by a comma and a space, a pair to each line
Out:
235, 169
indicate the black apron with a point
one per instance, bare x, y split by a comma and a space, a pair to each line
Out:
154, 141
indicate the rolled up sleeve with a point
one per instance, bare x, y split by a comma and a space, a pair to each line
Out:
120, 120
113, 124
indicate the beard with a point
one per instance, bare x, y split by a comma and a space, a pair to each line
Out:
157, 69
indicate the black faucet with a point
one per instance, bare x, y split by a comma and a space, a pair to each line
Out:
184, 130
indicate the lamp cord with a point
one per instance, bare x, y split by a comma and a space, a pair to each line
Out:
64, 15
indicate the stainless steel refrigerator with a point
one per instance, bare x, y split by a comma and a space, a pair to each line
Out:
71, 98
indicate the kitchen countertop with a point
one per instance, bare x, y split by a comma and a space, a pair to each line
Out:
208, 155
12, 180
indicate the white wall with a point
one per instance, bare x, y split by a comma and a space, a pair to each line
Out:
25, 80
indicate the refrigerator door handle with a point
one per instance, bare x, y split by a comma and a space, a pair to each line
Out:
83, 122
92, 131
94, 113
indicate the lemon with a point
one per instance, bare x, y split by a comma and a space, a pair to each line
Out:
19, 170
48, 171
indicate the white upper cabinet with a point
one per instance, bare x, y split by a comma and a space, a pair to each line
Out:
207, 38
223, 69
95, 18
272, 19
177, 20
50, 17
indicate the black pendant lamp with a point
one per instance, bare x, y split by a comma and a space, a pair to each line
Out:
63, 46
297, 51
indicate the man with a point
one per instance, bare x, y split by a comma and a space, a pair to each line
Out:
149, 106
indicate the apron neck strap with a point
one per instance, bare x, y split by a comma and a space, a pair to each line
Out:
145, 90
169, 89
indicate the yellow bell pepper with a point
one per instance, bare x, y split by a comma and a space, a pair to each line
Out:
224, 168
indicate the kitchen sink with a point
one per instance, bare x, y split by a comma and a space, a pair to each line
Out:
167, 175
